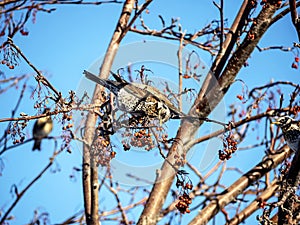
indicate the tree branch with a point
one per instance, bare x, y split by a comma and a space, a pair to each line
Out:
206, 101
295, 18
292, 181
230, 194
268, 193
90, 173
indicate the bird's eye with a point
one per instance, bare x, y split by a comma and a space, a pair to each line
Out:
282, 120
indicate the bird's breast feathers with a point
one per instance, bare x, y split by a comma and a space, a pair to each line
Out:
127, 101
42, 128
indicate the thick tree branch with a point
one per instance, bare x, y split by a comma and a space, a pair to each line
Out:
231, 38
283, 13
292, 181
203, 105
230, 194
295, 17
268, 193
90, 173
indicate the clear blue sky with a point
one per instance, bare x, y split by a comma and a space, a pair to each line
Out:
71, 39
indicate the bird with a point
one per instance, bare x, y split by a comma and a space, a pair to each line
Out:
138, 99
291, 131
41, 129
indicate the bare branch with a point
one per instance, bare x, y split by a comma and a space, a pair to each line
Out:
295, 17
90, 177
228, 195
207, 99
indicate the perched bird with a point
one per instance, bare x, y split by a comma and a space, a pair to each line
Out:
139, 99
41, 129
291, 131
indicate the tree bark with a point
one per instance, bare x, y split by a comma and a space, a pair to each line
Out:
90, 170
208, 98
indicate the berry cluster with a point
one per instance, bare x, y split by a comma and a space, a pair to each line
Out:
184, 203
140, 139
67, 137
262, 203
251, 35
67, 118
295, 64
229, 147
16, 132
102, 151
240, 97
295, 110
67, 134
8, 64
186, 186
10, 57
277, 3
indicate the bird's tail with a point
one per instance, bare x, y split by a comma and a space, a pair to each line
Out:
109, 84
94, 78
37, 144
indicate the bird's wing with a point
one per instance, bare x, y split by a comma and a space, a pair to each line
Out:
118, 77
160, 96
140, 93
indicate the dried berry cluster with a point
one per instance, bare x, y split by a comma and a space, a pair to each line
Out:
229, 147
66, 119
101, 148
295, 110
142, 138
10, 57
16, 132
186, 186
240, 97
102, 151
277, 3
184, 203
8, 64
295, 64
67, 135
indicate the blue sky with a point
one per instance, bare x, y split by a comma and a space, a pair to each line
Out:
72, 39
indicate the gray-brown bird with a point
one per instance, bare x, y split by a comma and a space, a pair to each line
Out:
139, 99
290, 130
41, 129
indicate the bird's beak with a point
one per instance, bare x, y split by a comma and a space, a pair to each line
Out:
160, 119
161, 122
275, 122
